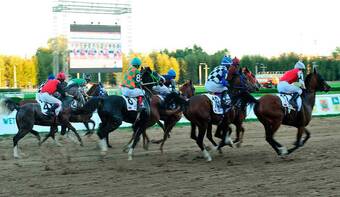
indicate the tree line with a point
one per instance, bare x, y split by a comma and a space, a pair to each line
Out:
32, 71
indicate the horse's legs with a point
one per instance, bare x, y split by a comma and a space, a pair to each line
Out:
89, 131
209, 134
103, 133
53, 131
21, 133
298, 142
168, 127
201, 132
138, 132
270, 131
36, 134
108, 140
68, 124
307, 137
193, 131
239, 134
47, 136
160, 124
146, 140
63, 130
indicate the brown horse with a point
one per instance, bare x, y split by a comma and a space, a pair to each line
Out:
272, 114
81, 118
30, 114
200, 114
187, 90
241, 110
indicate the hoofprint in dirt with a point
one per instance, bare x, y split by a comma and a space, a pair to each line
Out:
252, 170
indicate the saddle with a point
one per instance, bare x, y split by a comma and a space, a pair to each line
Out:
132, 103
216, 104
47, 109
286, 101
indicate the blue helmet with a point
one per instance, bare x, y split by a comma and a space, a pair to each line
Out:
226, 61
136, 62
172, 73
51, 76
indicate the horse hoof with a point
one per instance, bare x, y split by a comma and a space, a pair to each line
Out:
109, 146
81, 144
102, 153
129, 158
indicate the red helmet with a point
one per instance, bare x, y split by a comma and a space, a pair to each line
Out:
236, 61
61, 76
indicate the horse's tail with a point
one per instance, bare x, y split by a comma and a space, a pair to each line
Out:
7, 106
90, 106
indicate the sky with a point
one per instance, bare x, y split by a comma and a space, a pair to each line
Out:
244, 27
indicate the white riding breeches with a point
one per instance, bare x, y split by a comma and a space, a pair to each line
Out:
213, 87
285, 87
46, 97
136, 92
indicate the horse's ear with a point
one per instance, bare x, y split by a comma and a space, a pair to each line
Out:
314, 70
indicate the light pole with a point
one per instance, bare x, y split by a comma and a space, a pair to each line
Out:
200, 72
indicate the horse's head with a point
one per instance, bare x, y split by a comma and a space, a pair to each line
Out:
315, 82
149, 78
187, 89
243, 79
251, 78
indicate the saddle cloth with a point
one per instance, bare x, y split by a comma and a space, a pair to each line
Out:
285, 101
131, 103
216, 103
45, 107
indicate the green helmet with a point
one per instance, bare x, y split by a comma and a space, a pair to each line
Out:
136, 62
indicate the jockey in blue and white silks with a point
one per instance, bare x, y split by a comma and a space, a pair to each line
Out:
217, 80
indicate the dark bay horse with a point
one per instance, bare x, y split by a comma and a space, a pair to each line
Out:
30, 114
200, 114
112, 110
271, 113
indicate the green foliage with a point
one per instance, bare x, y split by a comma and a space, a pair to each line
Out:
44, 58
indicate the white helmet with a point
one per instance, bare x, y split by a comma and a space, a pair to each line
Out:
300, 65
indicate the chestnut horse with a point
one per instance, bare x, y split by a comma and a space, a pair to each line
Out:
200, 114
272, 114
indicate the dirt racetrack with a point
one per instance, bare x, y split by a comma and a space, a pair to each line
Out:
252, 170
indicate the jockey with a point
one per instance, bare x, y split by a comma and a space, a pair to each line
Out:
61, 77
131, 83
217, 81
170, 80
286, 82
167, 85
46, 94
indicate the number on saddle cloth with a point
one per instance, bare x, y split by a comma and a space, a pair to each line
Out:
48, 108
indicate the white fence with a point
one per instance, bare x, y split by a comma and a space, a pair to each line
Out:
328, 104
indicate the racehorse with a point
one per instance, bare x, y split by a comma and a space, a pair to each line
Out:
272, 114
96, 90
112, 110
240, 101
82, 118
200, 114
30, 114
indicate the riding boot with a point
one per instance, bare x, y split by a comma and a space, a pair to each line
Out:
140, 105
225, 101
292, 101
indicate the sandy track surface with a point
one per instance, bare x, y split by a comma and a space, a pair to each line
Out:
252, 170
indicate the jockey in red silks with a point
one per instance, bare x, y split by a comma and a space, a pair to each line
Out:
286, 82
49, 88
